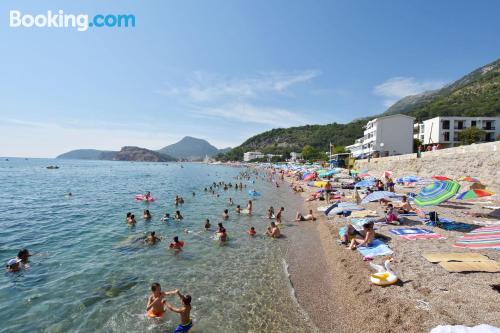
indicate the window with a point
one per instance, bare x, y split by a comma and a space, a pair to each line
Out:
489, 125
446, 136
446, 124
473, 123
459, 124
455, 137
489, 137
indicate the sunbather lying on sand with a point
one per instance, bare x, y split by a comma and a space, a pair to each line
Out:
308, 217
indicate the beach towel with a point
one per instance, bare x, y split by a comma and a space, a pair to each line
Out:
481, 238
447, 224
490, 266
436, 257
410, 231
416, 233
364, 213
377, 248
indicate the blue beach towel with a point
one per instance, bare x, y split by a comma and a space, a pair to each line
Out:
410, 231
377, 248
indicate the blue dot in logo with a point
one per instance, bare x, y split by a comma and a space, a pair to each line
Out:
91, 24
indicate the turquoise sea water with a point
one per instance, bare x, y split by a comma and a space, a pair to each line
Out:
90, 274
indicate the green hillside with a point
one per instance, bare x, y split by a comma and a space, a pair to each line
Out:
476, 94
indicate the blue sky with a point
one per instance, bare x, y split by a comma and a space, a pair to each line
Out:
225, 70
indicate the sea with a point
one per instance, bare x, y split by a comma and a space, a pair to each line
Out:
91, 272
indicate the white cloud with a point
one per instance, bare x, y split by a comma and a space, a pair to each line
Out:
247, 113
203, 87
396, 88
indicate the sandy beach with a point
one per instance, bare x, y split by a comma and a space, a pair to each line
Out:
332, 282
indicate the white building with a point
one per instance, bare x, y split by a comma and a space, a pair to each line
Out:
251, 155
385, 136
295, 156
444, 130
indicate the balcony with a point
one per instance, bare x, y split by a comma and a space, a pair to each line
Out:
489, 128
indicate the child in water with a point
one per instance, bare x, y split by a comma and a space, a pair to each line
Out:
250, 207
166, 217
155, 306
278, 215
176, 244
238, 209
270, 212
184, 312
252, 231
207, 224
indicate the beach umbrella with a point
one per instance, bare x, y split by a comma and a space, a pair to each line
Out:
386, 174
407, 179
364, 175
365, 183
437, 192
377, 195
441, 178
469, 179
472, 194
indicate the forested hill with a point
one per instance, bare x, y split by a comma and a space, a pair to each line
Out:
475, 94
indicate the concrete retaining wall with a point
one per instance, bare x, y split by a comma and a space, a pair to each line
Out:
478, 160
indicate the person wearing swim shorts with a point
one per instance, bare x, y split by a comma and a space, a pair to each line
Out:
155, 306
184, 313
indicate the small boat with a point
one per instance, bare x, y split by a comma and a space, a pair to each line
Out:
51, 167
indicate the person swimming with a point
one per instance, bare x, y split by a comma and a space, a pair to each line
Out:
166, 217
176, 244
13, 265
131, 220
128, 216
238, 209
146, 214
231, 202
152, 239
184, 313
207, 224
178, 216
252, 231
155, 306
225, 215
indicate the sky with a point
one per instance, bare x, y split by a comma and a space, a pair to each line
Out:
225, 70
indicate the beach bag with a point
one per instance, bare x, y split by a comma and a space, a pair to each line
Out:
433, 216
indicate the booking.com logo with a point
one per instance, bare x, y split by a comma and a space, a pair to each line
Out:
81, 22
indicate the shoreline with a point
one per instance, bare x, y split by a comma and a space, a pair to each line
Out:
332, 284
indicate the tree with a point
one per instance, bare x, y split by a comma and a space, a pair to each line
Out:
339, 150
416, 143
311, 153
471, 135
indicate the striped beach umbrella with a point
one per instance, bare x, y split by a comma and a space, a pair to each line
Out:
377, 195
437, 192
472, 194
365, 183
441, 178
469, 179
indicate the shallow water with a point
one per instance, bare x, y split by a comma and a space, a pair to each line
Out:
89, 274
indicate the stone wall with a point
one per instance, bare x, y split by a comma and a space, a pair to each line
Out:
477, 160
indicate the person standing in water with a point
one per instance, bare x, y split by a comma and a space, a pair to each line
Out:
155, 306
250, 207
278, 215
184, 312
225, 215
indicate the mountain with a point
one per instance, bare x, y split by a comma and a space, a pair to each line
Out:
88, 154
190, 148
129, 153
475, 94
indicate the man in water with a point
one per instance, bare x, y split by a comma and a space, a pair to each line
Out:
273, 231
184, 313
225, 215
152, 239
155, 305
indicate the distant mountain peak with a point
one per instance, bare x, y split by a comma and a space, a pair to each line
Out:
190, 148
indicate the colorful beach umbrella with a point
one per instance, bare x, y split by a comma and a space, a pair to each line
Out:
365, 183
469, 179
441, 178
386, 174
437, 192
472, 194
377, 195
